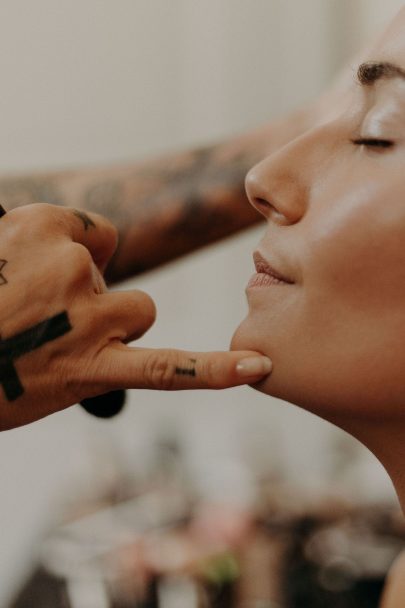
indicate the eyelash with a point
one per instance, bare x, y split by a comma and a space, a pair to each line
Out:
373, 143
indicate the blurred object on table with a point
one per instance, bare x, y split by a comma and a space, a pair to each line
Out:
147, 552
151, 541
338, 554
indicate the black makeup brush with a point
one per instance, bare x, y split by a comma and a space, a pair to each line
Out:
105, 406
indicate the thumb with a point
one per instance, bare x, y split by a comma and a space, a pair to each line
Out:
169, 369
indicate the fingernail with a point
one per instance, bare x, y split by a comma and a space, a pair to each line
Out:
254, 366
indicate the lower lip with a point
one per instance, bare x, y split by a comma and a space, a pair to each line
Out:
260, 279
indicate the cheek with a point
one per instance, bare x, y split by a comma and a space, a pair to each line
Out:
354, 244
339, 341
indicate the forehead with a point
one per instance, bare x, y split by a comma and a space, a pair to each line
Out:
391, 45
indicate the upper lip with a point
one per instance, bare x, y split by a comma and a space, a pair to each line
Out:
263, 266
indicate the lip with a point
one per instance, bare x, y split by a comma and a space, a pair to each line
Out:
266, 274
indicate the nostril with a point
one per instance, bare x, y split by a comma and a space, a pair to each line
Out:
262, 202
270, 211
262, 206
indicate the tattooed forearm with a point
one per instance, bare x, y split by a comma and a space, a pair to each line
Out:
109, 197
25, 342
3, 280
162, 208
180, 205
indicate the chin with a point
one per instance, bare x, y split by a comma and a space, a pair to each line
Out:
246, 339
312, 383
249, 335
282, 382
242, 339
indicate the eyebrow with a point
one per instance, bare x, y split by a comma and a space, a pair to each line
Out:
369, 73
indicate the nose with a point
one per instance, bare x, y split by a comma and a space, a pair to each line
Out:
278, 186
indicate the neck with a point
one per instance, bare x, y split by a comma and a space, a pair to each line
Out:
385, 439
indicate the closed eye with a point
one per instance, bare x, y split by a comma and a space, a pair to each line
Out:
373, 143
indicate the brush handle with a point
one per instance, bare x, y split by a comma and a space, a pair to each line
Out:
105, 406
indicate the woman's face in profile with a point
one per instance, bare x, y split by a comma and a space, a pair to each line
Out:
334, 200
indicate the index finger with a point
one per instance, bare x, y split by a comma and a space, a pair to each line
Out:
169, 369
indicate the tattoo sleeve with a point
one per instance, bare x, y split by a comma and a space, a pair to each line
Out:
163, 208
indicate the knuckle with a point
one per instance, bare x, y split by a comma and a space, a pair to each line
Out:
111, 236
159, 372
212, 372
31, 223
40, 216
20, 214
81, 261
147, 307
107, 235
82, 377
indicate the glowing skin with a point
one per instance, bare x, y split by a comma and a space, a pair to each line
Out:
335, 213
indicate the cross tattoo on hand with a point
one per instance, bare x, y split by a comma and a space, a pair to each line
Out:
25, 342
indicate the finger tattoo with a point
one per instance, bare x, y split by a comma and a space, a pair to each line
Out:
187, 371
87, 221
23, 343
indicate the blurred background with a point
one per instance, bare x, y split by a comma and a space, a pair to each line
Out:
100, 81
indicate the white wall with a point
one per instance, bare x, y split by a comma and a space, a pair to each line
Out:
87, 81
373, 14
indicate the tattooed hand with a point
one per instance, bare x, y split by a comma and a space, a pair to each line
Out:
63, 336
